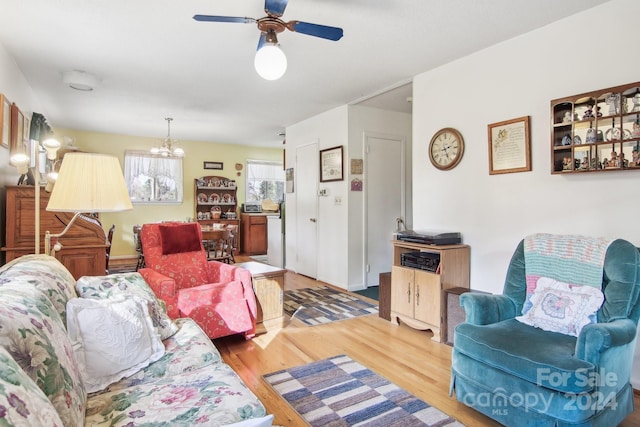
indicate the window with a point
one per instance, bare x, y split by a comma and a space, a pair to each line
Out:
153, 179
265, 180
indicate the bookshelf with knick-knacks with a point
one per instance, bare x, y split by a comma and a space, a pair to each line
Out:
596, 131
215, 200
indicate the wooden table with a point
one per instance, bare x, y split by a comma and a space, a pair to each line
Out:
213, 239
268, 285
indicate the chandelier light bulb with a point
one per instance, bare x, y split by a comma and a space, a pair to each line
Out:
270, 62
168, 147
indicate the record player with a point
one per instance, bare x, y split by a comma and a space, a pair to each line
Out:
429, 237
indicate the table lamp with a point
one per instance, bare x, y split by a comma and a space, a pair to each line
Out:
87, 183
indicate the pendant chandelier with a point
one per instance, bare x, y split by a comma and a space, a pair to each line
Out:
168, 147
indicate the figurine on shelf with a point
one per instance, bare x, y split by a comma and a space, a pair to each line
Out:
622, 162
635, 133
567, 117
605, 163
635, 157
614, 162
585, 163
613, 101
589, 113
636, 102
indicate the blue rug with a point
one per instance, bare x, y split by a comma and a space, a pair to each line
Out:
340, 392
317, 306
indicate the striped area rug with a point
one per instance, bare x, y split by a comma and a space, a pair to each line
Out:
316, 306
340, 392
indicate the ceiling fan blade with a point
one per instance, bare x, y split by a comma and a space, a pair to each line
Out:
261, 41
275, 7
213, 18
322, 31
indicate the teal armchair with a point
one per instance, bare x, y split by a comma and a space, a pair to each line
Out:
521, 375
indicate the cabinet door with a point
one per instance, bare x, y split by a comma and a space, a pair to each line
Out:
402, 290
427, 298
259, 235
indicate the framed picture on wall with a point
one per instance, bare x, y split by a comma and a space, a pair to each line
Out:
331, 164
17, 130
5, 120
509, 146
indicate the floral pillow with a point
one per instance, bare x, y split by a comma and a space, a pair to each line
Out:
104, 287
33, 333
112, 338
561, 307
22, 403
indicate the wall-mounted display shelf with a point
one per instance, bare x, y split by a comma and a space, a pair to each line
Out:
596, 131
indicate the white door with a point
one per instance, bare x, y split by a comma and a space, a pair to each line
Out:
385, 200
307, 209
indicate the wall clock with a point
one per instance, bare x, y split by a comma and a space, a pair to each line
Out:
446, 149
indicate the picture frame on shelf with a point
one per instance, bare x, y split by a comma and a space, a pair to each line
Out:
509, 146
331, 165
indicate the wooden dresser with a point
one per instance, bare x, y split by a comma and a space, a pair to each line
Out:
83, 246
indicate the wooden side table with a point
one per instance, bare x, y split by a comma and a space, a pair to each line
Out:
268, 285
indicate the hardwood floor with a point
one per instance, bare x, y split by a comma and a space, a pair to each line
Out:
403, 355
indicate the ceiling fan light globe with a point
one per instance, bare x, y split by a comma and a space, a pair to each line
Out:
270, 62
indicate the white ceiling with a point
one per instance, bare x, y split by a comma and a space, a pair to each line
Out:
155, 61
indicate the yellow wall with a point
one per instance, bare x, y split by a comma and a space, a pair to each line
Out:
195, 154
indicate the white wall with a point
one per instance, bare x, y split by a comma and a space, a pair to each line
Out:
327, 130
340, 227
14, 86
517, 78
372, 121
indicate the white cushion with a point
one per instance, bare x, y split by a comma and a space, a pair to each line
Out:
254, 422
561, 307
112, 338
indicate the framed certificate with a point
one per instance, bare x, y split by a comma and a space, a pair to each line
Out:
331, 164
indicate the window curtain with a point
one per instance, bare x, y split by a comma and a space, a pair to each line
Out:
153, 178
264, 180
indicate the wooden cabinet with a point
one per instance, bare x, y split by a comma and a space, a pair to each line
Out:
417, 296
215, 198
254, 234
83, 246
596, 131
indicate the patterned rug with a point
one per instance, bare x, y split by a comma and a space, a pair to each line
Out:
316, 306
340, 392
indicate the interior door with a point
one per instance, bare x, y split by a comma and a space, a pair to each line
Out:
307, 209
385, 201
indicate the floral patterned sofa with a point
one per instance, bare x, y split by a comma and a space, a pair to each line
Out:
45, 354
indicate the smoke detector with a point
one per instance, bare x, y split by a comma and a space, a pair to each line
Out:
80, 80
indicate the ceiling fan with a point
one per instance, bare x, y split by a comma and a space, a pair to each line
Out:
268, 52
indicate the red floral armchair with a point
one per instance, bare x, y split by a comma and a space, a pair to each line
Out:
218, 296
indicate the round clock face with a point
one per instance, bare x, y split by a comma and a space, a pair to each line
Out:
446, 148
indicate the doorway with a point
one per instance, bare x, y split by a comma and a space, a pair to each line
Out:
385, 201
